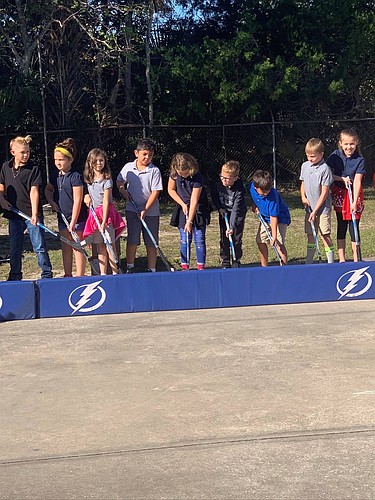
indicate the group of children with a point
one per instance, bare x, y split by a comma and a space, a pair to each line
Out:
85, 206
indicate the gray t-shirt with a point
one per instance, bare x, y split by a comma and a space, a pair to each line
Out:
140, 184
315, 176
96, 191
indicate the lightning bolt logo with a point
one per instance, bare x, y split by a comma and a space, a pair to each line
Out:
86, 296
352, 283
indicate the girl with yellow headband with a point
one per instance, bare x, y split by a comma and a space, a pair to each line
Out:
64, 193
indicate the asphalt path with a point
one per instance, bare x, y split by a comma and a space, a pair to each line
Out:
267, 402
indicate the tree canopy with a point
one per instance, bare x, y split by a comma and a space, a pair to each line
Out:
102, 62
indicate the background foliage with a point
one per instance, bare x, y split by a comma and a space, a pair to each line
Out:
184, 62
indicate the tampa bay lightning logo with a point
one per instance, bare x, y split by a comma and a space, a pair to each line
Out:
354, 283
91, 295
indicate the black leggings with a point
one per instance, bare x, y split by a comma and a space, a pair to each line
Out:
342, 227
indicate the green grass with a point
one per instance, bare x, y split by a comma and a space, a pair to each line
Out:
169, 240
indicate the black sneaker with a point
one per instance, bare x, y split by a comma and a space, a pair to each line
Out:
225, 265
130, 270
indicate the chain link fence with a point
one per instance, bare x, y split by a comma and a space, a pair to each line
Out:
277, 147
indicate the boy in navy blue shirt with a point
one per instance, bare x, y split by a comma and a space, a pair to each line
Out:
267, 201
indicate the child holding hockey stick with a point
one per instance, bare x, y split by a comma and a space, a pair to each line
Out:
185, 187
141, 179
20, 180
267, 201
316, 179
348, 167
228, 196
64, 192
97, 175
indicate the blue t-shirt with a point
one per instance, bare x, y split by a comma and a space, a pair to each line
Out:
63, 185
343, 166
271, 205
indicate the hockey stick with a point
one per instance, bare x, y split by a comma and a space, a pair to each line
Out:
269, 236
233, 252
355, 226
106, 241
77, 246
313, 229
77, 240
158, 249
187, 241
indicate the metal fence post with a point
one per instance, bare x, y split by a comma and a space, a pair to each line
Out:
274, 151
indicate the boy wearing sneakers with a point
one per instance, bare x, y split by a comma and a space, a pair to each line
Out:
20, 181
268, 202
140, 183
316, 179
228, 196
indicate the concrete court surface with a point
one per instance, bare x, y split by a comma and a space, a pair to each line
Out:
267, 402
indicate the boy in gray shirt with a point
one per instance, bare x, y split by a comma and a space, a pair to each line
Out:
140, 183
316, 177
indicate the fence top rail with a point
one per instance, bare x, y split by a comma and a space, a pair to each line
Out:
215, 126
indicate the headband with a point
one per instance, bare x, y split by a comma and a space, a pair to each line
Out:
64, 152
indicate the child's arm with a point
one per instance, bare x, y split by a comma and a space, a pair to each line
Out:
48, 192
3, 202
122, 189
87, 200
121, 186
216, 200
304, 199
172, 191
77, 203
254, 208
34, 198
253, 205
324, 192
346, 180
106, 201
357, 184
273, 223
194, 199
151, 200
238, 204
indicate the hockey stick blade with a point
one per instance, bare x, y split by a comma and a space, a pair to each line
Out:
106, 241
158, 249
233, 252
269, 236
77, 240
71, 243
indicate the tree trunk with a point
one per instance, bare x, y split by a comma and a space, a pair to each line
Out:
148, 68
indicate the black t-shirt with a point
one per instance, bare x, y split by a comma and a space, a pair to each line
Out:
18, 184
